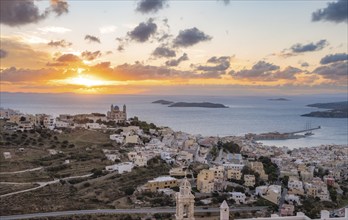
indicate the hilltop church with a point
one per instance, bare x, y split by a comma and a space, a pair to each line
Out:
115, 114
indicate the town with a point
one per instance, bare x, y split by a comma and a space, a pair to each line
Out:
110, 161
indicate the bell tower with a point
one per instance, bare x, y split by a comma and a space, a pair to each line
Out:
185, 202
224, 211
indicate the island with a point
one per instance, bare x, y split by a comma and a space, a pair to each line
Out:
331, 105
336, 110
163, 102
198, 104
279, 99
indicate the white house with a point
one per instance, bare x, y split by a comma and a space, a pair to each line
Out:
295, 186
140, 160
233, 166
167, 157
62, 124
49, 122
185, 156
94, 126
117, 137
7, 155
238, 197
121, 167
292, 198
112, 157
261, 190
52, 152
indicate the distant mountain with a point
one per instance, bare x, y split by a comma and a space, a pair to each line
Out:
279, 99
337, 110
163, 102
198, 104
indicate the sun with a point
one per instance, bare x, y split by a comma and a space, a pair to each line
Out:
86, 80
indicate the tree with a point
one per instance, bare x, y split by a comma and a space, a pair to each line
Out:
129, 191
231, 147
285, 181
333, 193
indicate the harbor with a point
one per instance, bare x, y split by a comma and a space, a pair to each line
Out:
282, 136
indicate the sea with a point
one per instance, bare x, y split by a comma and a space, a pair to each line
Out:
245, 114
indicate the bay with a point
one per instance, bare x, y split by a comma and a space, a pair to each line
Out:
246, 114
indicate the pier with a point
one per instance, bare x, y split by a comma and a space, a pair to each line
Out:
305, 130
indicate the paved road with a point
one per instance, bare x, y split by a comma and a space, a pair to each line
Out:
41, 184
122, 211
22, 171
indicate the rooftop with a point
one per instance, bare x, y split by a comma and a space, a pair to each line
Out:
162, 179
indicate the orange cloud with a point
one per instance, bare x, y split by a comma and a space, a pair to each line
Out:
22, 55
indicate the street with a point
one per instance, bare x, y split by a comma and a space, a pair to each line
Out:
123, 211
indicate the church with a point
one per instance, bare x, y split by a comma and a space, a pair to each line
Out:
117, 115
185, 202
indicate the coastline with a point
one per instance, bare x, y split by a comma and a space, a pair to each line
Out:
244, 115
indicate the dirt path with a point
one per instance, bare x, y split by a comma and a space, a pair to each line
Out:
41, 184
22, 171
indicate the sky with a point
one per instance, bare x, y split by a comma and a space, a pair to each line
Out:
174, 47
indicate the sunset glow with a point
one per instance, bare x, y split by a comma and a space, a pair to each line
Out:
86, 81
173, 46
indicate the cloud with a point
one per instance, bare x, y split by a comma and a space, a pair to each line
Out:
305, 64
13, 74
68, 58
222, 64
288, 73
54, 29
218, 67
176, 62
20, 12
91, 38
107, 29
332, 58
3, 53
56, 64
147, 72
59, 7
260, 70
337, 71
150, 6
139, 71
143, 31
301, 48
190, 37
59, 43
87, 55
267, 72
120, 48
22, 55
163, 51
121, 44
334, 12
23, 12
